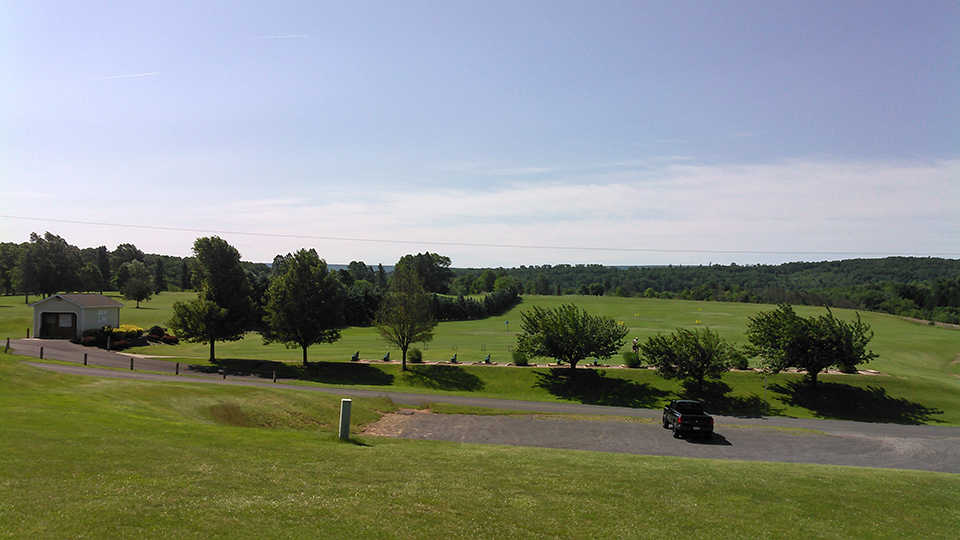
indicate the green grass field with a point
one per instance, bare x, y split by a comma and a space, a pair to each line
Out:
920, 381
82, 457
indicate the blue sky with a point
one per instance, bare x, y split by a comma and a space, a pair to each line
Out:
497, 133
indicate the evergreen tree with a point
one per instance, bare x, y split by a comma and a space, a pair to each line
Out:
159, 277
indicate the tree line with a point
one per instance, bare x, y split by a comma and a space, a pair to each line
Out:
924, 288
48, 264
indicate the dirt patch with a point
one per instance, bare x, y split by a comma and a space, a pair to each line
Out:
392, 424
932, 323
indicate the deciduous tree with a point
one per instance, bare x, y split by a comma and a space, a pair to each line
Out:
222, 309
138, 286
690, 354
405, 316
48, 264
569, 334
432, 268
304, 303
785, 340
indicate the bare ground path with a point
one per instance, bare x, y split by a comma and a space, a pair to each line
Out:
790, 440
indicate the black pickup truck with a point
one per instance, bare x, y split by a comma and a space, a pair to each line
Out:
687, 416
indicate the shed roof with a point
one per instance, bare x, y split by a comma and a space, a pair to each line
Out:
84, 300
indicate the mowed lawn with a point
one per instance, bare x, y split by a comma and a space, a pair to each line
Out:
82, 457
920, 381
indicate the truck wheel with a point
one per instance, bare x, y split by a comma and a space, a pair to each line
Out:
676, 432
666, 425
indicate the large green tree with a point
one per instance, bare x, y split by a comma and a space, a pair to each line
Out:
222, 310
123, 254
695, 354
138, 286
405, 317
569, 334
48, 265
9, 254
359, 270
785, 340
432, 268
91, 278
304, 303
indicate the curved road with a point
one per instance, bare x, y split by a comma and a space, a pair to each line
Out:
792, 440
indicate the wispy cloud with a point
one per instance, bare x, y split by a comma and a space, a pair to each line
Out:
679, 213
125, 76
809, 208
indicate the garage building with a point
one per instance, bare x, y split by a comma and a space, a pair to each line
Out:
66, 316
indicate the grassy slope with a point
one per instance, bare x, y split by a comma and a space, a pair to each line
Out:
89, 458
918, 359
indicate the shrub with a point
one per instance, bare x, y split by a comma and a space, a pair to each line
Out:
170, 340
415, 356
632, 359
88, 341
157, 330
519, 359
154, 337
130, 330
120, 345
740, 361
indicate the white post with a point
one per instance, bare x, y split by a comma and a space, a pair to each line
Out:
345, 405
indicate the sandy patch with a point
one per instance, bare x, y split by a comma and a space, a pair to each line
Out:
392, 424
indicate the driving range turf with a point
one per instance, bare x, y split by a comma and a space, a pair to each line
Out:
83, 457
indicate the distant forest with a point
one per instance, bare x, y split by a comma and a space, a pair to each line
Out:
922, 288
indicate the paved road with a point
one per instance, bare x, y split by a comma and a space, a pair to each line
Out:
932, 448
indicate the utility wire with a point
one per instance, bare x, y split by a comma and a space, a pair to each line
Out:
469, 244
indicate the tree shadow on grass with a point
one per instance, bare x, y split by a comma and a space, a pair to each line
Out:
846, 402
322, 372
449, 378
593, 387
717, 400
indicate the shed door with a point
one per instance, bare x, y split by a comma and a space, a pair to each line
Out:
58, 325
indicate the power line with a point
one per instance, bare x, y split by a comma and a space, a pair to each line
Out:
469, 244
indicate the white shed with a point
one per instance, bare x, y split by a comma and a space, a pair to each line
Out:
66, 316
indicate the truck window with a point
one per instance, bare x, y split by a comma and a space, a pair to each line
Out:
689, 408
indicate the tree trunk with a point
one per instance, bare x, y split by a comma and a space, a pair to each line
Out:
304, 349
213, 357
403, 359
